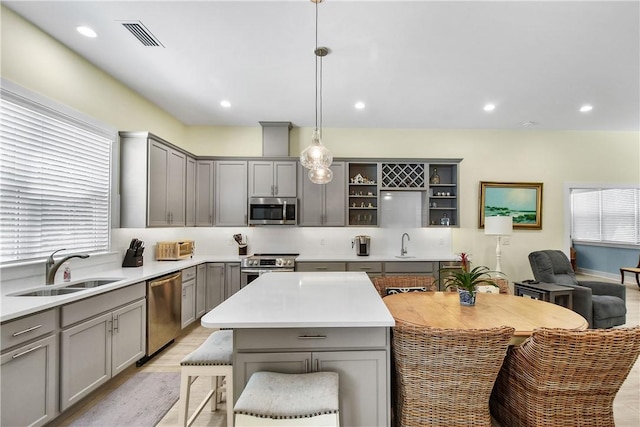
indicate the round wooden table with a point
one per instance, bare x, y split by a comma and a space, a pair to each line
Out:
443, 310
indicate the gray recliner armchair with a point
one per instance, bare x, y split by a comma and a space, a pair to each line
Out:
602, 304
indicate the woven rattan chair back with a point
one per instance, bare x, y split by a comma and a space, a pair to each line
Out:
564, 378
383, 282
444, 377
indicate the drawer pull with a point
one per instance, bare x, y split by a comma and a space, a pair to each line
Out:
15, 334
312, 337
322, 268
15, 356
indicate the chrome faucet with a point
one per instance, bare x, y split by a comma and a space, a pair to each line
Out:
51, 267
403, 250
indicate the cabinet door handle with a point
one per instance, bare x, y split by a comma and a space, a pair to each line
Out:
115, 325
275, 190
312, 337
316, 365
33, 328
306, 365
15, 356
110, 326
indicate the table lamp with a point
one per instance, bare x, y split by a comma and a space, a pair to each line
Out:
498, 226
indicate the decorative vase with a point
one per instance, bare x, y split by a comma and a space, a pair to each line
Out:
434, 178
467, 297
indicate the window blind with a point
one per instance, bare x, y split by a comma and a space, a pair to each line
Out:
54, 184
606, 215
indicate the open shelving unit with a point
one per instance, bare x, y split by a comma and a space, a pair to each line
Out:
363, 194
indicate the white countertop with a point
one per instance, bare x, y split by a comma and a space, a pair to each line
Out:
375, 258
14, 306
286, 300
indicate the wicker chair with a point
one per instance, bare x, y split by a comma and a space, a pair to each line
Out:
444, 377
383, 282
564, 378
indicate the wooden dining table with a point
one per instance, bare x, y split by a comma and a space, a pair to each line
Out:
443, 310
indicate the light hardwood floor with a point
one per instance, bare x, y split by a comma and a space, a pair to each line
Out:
626, 406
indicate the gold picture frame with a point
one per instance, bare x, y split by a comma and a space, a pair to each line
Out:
520, 200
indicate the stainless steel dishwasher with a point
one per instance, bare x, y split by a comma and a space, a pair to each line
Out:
164, 311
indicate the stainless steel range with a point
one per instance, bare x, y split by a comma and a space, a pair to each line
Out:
257, 264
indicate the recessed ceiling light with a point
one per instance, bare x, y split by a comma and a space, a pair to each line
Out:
225, 103
359, 105
489, 107
586, 108
86, 31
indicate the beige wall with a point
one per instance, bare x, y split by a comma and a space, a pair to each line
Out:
37, 62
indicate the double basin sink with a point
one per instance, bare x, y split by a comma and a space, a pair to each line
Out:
50, 291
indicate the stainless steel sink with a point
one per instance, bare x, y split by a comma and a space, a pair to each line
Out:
47, 292
87, 284
50, 291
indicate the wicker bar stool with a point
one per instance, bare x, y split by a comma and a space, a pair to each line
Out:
444, 377
559, 377
386, 285
274, 399
212, 359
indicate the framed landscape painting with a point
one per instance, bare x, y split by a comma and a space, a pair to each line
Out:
520, 200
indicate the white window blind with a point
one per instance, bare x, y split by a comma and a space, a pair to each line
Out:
606, 215
54, 184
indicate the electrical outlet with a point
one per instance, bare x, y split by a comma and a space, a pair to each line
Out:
321, 242
441, 243
506, 240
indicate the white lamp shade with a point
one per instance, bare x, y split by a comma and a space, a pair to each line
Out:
498, 225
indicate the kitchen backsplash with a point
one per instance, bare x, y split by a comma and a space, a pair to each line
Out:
311, 241
329, 242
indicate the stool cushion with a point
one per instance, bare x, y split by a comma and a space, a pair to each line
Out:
275, 395
216, 350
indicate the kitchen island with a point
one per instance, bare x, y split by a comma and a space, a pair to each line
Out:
307, 322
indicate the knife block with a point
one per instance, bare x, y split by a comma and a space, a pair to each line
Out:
131, 260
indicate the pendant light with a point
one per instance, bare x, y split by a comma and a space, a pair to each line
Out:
316, 156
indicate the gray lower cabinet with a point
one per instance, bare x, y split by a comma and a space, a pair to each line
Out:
363, 373
232, 279
372, 268
230, 193
411, 268
322, 205
321, 266
102, 343
188, 296
201, 289
214, 293
29, 366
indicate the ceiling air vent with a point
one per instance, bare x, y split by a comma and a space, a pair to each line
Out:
141, 33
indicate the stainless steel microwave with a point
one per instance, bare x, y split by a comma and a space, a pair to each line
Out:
273, 211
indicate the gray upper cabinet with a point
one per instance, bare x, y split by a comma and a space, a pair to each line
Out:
153, 182
272, 179
230, 193
204, 193
167, 186
323, 204
190, 196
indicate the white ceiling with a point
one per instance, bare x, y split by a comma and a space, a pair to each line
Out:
416, 64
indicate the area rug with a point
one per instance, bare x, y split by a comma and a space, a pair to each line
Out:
142, 401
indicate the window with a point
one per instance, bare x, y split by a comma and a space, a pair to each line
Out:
55, 175
606, 215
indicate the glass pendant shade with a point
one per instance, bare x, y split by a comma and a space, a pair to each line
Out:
320, 176
316, 155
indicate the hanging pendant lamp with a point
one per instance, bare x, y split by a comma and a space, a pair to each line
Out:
316, 156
